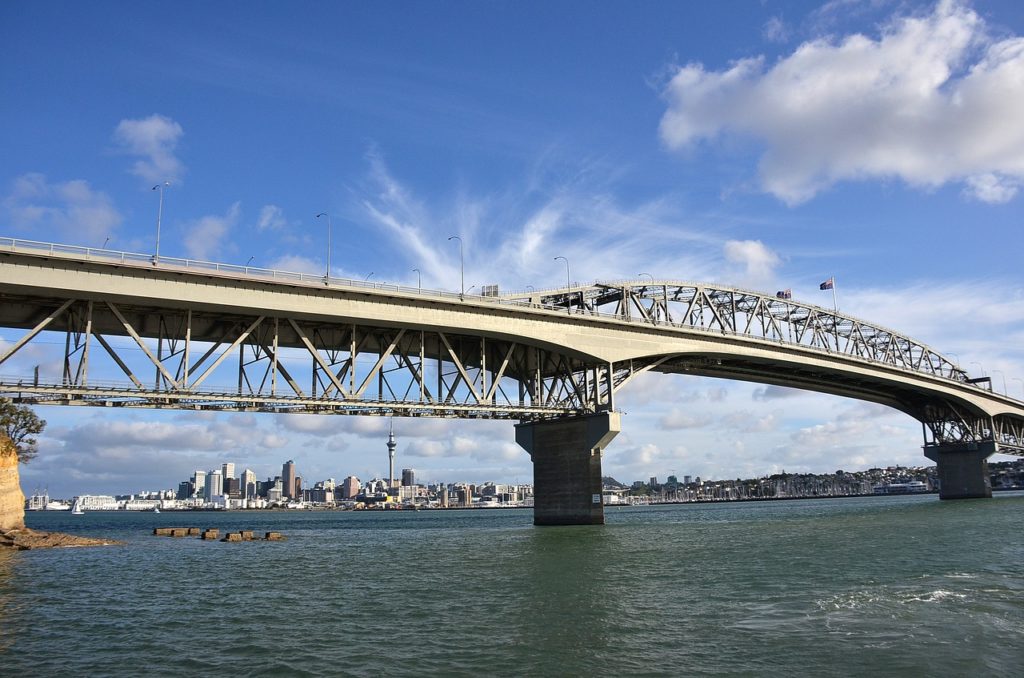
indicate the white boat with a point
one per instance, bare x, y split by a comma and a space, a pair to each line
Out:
76, 508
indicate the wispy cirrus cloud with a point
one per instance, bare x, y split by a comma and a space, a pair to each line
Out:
933, 99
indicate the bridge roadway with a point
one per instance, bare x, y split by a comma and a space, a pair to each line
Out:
198, 335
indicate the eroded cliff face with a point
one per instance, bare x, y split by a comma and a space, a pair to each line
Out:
12, 501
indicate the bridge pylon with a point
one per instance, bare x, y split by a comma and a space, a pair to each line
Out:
963, 469
566, 454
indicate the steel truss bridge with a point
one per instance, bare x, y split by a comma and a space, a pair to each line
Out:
129, 331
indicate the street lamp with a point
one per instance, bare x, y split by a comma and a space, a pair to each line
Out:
325, 214
568, 303
641, 275
1020, 380
250, 261
419, 280
1004, 380
462, 267
368, 276
980, 367
159, 218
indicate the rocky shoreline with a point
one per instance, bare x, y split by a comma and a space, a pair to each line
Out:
24, 539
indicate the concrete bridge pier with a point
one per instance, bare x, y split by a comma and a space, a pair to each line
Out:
566, 457
963, 469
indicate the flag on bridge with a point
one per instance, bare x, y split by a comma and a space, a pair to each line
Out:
784, 294
828, 284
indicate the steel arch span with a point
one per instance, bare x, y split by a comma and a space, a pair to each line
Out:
198, 335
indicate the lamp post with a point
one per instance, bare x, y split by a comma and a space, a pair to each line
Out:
568, 303
159, 218
462, 267
1004, 380
641, 275
980, 367
368, 275
419, 280
325, 214
1020, 380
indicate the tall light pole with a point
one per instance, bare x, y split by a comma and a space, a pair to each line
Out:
419, 279
1020, 380
980, 367
1004, 380
641, 275
462, 267
159, 218
568, 303
325, 214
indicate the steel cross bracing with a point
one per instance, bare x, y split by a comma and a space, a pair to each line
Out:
188, 359
751, 314
726, 310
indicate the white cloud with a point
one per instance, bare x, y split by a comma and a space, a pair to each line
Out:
294, 263
205, 236
758, 261
775, 30
677, 419
154, 140
934, 99
271, 219
72, 209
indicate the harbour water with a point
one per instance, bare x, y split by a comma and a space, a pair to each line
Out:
865, 586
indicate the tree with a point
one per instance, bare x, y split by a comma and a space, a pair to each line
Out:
21, 425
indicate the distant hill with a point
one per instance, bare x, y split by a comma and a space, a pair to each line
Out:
609, 482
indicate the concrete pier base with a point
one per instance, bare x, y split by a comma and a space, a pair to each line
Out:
566, 457
963, 469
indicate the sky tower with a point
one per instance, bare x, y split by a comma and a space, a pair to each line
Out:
391, 454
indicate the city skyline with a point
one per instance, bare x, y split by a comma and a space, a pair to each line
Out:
771, 147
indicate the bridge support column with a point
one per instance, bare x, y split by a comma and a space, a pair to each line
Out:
963, 469
566, 457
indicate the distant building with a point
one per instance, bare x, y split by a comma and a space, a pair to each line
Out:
228, 470
233, 488
391, 455
199, 483
214, 484
408, 477
350, 487
288, 479
184, 490
248, 483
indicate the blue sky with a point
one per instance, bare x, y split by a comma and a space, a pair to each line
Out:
762, 144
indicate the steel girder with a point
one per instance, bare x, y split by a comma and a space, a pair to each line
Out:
746, 313
121, 356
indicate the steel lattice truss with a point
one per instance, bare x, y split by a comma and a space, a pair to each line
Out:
188, 359
946, 424
752, 314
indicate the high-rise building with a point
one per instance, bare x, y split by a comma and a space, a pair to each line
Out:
288, 479
228, 470
350, 487
408, 477
214, 484
199, 483
248, 484
233, 488
391, 454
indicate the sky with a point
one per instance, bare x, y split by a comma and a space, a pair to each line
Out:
767, 145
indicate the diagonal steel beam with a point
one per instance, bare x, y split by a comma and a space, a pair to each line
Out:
145, 349
35, 330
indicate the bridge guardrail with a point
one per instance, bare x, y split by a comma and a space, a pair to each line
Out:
274, 275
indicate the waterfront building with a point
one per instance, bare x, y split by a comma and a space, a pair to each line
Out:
233, 487
408, 477
214, 484
248, 484
199, 483
228, 470
350, 487
184, 490
288, 479
97, 502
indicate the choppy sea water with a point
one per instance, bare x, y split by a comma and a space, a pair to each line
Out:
868, 586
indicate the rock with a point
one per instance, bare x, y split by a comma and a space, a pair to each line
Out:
246, 535
211, 534
274, 536
24, 539
232, 536
12, 501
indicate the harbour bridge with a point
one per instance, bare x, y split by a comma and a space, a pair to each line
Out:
135, 331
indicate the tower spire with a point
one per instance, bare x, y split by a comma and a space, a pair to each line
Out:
391, 454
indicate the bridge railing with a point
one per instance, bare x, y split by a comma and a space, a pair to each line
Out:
523, 300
